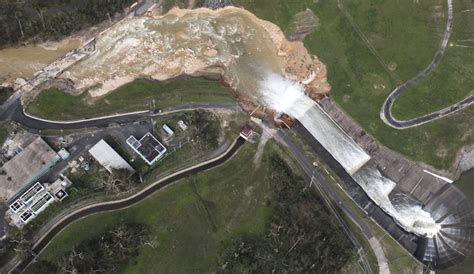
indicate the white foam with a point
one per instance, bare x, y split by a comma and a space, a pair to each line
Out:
288, 97
411, 217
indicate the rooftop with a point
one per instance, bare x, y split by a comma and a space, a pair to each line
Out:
148, 147
25, 167
108, 157
246, 132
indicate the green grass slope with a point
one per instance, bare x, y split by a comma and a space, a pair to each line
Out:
401, 38
138, 95
196, 222
452, 80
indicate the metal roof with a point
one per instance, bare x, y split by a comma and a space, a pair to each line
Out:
108, 157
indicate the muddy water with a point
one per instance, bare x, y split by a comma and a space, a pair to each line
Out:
25, 61
168, 46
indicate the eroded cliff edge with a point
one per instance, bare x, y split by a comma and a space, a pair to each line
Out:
231, 43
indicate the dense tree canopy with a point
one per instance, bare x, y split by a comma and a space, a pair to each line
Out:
23, 20
105, 254
302, 237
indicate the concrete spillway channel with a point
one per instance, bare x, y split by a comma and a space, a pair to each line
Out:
428, 216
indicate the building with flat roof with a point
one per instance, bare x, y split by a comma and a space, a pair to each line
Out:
108, 157
168, 130
35, 199
31, 203
148, 147
26, 167
246, 132
182, 125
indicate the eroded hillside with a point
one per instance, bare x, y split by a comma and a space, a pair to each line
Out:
230, 42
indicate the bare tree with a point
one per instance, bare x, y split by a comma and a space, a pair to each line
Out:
67, 263
19, 24
22, 245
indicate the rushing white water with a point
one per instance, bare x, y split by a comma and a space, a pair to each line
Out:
406, 212
288, 97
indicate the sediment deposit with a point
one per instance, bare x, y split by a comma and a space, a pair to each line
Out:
230, 42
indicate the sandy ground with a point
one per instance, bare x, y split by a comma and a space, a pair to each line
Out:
155, 48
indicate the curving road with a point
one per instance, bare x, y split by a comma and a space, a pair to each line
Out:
124, 203
15, 113
386, 111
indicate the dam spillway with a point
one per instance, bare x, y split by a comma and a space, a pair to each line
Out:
288, 97
256, 61
436, 218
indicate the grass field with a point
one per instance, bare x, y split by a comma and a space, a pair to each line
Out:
405, 36
192, 220
452, 81
181, 227
138, 95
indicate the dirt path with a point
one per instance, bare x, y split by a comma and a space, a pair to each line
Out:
266, 135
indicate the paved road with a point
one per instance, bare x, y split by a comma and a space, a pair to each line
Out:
325, 189
121, 204
311, 171
15, 113
144, 6
386, 111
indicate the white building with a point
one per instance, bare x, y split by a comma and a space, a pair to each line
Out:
108, 157
148, 147
31, 203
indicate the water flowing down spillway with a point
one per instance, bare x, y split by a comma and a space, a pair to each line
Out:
288, 97
403, 209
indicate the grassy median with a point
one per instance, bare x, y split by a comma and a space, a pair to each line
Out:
138, 95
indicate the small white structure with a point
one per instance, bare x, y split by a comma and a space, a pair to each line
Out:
63, 153
168, 130
182, 125
108, 157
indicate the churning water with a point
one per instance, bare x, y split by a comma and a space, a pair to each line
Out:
288, 97
406, 212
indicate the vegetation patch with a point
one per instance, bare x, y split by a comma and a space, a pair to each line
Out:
367, 56
4, 94
107, 253
3, 133
139, 95
194, 224
290, 243
52, 19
